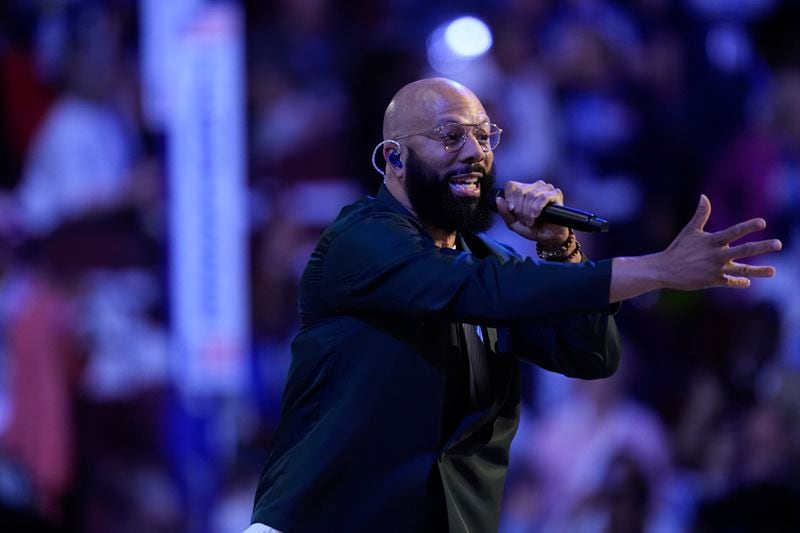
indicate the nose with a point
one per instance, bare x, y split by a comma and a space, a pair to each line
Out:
471, 152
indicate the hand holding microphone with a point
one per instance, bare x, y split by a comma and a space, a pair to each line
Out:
542, 203
536, 211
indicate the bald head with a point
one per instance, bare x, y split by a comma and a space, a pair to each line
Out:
417, 106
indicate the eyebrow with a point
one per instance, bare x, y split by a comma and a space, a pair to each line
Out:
443, 121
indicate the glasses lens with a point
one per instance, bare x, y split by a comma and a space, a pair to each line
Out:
452, 136
483, 134
487, 135
492, 135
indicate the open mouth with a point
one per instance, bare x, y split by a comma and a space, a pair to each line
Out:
466, 185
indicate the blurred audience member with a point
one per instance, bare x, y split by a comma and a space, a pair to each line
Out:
43, 358
761, 487
573, 446
81, 157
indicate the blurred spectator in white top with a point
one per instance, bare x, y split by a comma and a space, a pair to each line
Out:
80, 158
574, 446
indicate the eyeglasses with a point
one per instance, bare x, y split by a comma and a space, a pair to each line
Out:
453, 135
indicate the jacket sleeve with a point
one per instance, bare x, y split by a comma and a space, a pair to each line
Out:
386, 263
583, 345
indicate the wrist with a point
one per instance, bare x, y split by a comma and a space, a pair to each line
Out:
574, 255
632, 276
554, 243
653, 270
649, 270
568, 251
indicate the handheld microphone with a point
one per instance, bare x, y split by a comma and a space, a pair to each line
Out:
561, 215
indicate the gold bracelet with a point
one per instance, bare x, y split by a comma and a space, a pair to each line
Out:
560, 254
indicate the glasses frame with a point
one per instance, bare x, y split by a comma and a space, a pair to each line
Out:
437, 133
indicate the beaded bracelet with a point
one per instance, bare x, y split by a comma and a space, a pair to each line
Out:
560, 253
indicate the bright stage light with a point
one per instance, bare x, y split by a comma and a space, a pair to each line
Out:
468, 37
454, 45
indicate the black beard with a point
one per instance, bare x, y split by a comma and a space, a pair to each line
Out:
435, 204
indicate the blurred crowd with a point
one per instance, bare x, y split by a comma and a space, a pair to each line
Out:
632, 108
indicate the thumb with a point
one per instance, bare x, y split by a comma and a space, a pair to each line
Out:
702, 213
502, 210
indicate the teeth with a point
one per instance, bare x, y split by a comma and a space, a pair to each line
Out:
465, 181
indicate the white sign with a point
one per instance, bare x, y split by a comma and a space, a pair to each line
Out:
162, 23
207, 204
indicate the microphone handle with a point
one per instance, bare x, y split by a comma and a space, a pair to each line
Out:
561, 215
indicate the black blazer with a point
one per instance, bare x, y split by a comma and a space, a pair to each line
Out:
360, 445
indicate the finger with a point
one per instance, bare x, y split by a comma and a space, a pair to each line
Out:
528, 211
735, 282
750, 271
751, 248
513, 195
502, 210
739, 230
540, 187
559, 197
542, 201
701, 214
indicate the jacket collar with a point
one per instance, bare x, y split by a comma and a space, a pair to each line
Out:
386, 199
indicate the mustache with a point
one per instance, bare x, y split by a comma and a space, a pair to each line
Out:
467, 169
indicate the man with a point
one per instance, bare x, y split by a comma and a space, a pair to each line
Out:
403, 394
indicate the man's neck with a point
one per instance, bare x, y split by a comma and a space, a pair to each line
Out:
441, 238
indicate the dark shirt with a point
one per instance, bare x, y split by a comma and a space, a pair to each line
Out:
457, 404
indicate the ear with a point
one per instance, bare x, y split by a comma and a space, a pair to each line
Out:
393, 161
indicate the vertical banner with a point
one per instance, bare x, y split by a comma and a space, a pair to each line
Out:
162, 26
207, 203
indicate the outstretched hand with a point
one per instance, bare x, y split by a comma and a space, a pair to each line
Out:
697, 259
